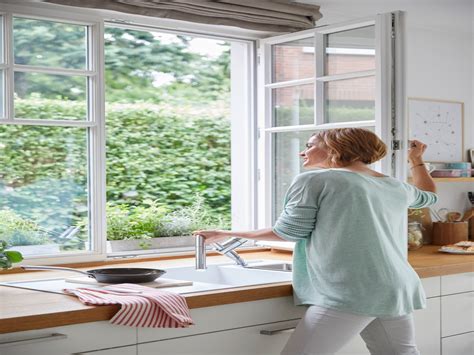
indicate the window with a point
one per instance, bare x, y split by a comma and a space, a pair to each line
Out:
48, 137
168, 133
115, 132
313, 80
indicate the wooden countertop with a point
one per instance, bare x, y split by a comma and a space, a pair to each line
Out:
22, 309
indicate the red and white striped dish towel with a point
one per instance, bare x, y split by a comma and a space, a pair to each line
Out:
141, 306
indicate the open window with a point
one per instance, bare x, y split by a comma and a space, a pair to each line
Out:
334, 76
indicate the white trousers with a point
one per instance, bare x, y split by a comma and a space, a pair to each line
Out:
324, 331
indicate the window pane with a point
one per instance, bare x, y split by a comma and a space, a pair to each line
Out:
168, 137
293, 60
350, 51
293, 105
49, 44
350, 100
286, 163
34, 90
43, 189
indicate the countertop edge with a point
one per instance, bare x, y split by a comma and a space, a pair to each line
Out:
101, 313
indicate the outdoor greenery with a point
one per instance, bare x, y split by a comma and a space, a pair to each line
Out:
168, 141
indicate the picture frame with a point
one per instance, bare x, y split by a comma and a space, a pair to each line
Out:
440, 125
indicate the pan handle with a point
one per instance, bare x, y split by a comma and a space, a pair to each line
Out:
34, 267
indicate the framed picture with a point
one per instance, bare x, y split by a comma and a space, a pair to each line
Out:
439, 124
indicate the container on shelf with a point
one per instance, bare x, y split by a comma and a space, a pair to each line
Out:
415, 235
445, 233
449, 173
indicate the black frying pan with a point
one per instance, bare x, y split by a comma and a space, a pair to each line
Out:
112, 275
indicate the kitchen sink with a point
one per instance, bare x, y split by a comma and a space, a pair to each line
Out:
215, 277
256, 273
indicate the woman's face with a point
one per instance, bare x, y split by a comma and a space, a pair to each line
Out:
314, 156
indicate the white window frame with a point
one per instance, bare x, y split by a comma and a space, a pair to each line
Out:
93, 125
388, 104
244, 181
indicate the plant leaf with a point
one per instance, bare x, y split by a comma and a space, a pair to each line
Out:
13, 256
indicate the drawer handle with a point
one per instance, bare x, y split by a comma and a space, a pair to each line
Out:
275, 331
51, 337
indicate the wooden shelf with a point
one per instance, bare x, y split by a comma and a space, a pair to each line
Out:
453, 179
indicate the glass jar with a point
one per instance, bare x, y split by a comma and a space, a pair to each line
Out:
415, 236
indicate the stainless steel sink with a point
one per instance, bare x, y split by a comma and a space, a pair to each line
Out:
273, 267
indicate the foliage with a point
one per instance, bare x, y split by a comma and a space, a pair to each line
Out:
185, 220
133, 60
151, 156
128, 222
17, 231
151, 220
8, 257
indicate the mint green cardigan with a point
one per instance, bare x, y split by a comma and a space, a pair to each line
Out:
351, 242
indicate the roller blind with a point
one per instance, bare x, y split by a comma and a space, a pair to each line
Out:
263, 15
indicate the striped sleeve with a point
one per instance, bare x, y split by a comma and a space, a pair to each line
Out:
298, 218
418, 198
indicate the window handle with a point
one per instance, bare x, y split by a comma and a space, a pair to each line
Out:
51, 337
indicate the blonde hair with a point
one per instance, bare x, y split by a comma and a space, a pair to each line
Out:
347, 145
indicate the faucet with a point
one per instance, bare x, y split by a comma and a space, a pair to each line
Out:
226, 248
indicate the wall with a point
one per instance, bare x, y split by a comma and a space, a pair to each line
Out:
439, 52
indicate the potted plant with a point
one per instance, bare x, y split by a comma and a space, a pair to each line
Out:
8, 257
153, 227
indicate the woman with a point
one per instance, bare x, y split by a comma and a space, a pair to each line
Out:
350, 259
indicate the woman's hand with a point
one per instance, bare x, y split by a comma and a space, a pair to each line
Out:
213, 236
415, 153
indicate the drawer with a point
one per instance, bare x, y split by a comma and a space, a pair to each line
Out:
432, 286
67, 339
457, 314
211, 319
247, 340
457, 283
459, 345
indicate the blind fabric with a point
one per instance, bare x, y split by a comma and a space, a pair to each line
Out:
262, 15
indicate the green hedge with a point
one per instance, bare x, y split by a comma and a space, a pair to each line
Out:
152, 155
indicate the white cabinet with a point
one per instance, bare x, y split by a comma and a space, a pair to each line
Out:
427, 327
457, 314
462, 344
67, 339
126, 350
247, 340
457, 283
231, 316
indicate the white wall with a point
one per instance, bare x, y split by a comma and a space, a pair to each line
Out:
439, 54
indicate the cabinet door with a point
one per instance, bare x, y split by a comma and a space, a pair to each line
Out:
67, 339
459, 345
457, 283
229, 316
242, 341
428, 327
126, 350
457, 314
